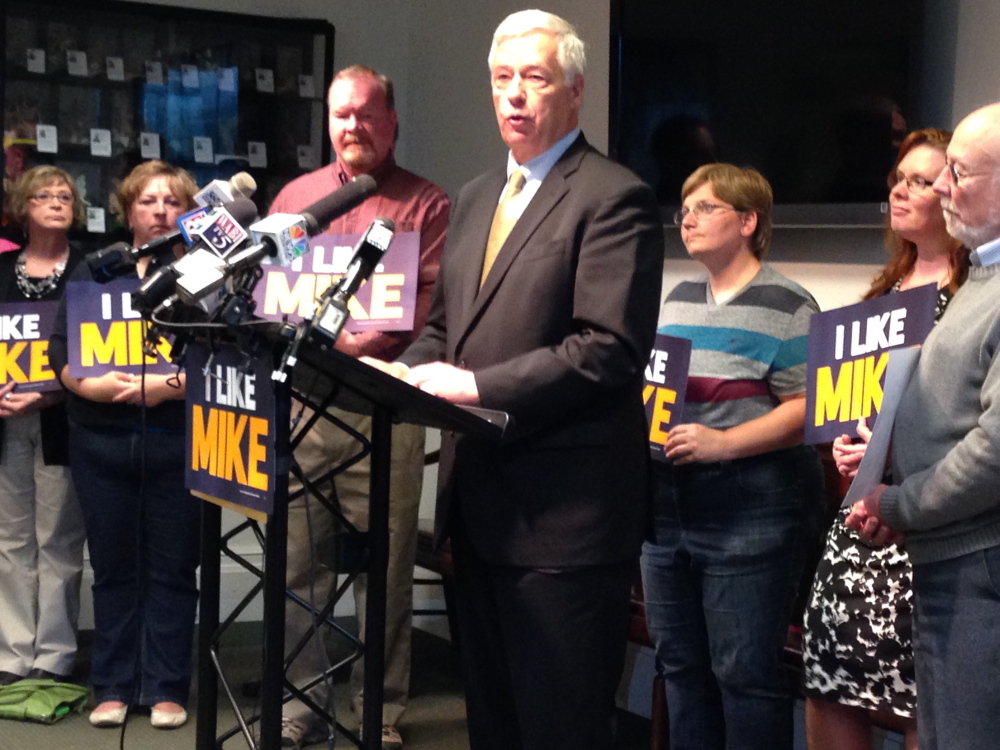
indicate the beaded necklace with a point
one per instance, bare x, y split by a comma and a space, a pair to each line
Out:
36, 288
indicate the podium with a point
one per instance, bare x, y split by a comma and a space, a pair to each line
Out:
338, 380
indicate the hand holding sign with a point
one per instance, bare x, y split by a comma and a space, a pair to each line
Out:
105, 389
695, 443
866, 519
664, 390
848, 454
13, 404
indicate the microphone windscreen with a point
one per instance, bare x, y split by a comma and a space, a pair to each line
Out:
243, 211
243, 185
338, 203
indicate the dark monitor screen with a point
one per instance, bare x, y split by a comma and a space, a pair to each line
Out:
816, 96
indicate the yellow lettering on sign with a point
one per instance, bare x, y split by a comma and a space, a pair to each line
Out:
385, 291
96, 349
235, 426
257, 453
217, 446
121, 347
204, 439
280, 300
38, 366
9, 369
873, 388
857, 393
661, 415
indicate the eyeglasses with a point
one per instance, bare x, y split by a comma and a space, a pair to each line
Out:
958, 176
914, 183
43, 197
700, 210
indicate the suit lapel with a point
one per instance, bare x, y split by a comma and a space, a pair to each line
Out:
552, 190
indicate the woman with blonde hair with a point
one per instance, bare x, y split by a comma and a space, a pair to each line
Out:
41, 530
738, 497
127, 458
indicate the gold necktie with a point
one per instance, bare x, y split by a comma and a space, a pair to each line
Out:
503, 221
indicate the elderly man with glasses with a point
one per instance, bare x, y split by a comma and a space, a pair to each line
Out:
946, 466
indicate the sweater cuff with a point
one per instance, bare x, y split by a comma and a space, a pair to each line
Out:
888, 508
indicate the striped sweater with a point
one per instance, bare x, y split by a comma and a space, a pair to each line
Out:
745, 352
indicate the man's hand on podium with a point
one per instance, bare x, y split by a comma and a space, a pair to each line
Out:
396, 369
445, 381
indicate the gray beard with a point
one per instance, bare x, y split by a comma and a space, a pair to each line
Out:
973, 237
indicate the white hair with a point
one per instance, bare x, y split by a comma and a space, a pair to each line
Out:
570, 51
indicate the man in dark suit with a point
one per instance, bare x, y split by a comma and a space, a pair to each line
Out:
545, 307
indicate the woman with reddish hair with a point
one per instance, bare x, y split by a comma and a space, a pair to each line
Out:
858, 628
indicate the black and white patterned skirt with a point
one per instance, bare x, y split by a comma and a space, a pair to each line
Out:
858, 625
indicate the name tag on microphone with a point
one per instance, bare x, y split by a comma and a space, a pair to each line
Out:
221, 232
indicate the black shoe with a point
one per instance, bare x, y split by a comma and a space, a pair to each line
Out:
44, 674
9, 678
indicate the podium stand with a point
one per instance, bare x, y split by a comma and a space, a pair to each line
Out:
353, 386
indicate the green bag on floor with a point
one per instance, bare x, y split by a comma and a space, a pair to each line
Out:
44, 701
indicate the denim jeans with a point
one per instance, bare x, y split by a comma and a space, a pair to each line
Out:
720, 575
957, 651
143, 536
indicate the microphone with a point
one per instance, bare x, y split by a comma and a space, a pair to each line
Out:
217, 235
242, 210
283, 237
111, 262
240, 185
332, 308
338, 203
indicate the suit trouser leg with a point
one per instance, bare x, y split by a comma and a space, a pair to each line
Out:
542, 651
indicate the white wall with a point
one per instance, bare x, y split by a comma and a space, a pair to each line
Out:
435, 51
977, 56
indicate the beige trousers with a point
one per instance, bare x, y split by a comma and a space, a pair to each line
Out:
325, 446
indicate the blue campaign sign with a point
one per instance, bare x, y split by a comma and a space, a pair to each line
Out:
230, 429
105, 334
664, 390
25, 328
847, 357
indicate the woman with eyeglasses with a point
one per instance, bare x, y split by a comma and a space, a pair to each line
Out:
738, 496
41, 529
127, 455
857, 643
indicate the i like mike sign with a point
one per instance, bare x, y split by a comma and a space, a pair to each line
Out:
386, 302
231, 429
847, 355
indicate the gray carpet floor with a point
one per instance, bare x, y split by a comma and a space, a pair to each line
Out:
435, 718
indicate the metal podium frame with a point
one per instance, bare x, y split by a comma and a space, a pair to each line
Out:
354, 386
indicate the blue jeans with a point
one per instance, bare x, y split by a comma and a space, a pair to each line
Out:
144, 546
957, 651
720, 575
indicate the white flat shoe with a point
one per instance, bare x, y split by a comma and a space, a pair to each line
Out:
110, 717
167, 719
